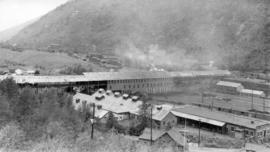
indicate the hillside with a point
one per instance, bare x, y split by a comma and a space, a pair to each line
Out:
176, 33
48, 63
9, 33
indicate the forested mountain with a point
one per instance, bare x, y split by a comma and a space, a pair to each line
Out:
174, 32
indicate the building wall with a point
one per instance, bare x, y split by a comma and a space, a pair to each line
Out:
233, 130
263, 131
250, 95
161, 85
122, 116
169, 120
228, 90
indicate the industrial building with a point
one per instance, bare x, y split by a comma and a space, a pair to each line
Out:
122, 107
229, 87
252, 84
252, 93
143, 81
234, 88
221, 122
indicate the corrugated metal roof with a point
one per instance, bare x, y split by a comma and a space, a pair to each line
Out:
221, 116
229, 84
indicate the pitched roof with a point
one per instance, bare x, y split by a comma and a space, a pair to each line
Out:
156, 134
176, 136
229, 84
100, 113
161, 111
220, 117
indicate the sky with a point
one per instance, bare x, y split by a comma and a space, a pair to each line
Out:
16, 12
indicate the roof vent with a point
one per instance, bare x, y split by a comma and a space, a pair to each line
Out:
101, 90
108, 92
117, 94
125, 96
100, 97
135, 98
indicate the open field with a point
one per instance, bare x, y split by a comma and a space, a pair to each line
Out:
45, 60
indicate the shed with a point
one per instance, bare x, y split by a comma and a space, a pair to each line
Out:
170, 137
163, 117
229, 87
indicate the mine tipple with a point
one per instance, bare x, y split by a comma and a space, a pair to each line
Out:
151, 82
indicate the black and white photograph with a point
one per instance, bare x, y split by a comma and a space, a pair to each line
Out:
134, 75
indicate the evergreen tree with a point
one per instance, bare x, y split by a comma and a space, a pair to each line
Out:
9, 88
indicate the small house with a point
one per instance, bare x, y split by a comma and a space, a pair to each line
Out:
162, 116
161, 137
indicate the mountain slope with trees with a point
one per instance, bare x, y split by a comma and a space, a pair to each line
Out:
182, 31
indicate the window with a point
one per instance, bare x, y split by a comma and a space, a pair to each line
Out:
77, 100
232, 128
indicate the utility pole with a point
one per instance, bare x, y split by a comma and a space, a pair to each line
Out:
151, 131
92, 122
212, 103
199, 142
263, 104
202, 97
252, 104
185, 136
